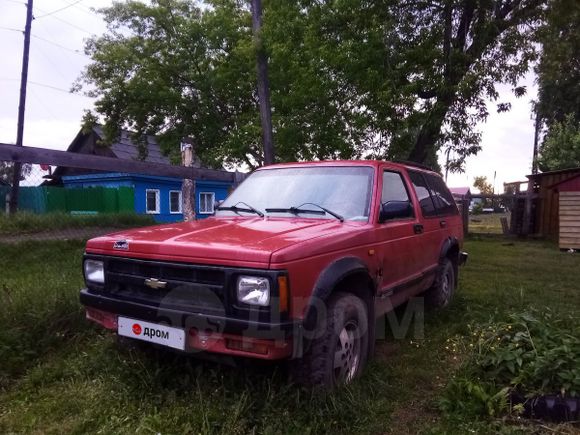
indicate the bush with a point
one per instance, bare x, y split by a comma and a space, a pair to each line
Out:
531, 353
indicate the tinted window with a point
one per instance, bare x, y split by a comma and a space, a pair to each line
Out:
444, 202
393, 188
422, 191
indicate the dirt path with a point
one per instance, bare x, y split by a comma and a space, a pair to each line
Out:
65, 234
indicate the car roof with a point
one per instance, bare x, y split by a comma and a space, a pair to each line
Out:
371, 163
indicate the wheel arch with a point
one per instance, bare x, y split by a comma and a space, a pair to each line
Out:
348, 275
450, 250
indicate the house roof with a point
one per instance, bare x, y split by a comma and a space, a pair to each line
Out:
460, 191
125, 148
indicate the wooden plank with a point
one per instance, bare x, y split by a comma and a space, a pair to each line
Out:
572, 223
564, 219
573, 238
569, 245
109, 164
569, 194
570, 213
570, 232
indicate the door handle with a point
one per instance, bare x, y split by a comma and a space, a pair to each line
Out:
418, 228
443, 224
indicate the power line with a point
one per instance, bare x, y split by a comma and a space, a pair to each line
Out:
58, 10
44, 85
65, 22
56, 44
11, 29
82, 8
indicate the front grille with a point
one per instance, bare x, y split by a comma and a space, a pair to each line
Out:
189, 287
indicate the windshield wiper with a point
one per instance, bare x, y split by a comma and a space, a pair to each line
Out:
298, 209
247, 209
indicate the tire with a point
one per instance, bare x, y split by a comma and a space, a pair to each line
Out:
441, 293
338, 351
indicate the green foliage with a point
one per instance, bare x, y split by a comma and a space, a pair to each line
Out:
559, 67
394, 79
481, 183
26, 223
533, 352
561, 146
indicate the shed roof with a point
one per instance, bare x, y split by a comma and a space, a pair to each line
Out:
569, 185
570, 171
460, 191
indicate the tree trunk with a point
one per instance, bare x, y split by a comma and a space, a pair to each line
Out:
188, 185
263, 85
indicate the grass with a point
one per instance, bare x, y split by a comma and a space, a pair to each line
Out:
60, 374
487, 223
27, 223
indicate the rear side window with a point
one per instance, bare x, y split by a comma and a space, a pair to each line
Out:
444, 202
423, 195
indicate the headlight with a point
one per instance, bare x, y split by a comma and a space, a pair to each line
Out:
94, 271
254, 290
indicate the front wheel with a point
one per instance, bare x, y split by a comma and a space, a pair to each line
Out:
338, 352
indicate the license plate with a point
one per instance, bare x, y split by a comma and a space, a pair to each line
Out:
152, 332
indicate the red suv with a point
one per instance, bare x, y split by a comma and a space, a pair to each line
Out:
296, 264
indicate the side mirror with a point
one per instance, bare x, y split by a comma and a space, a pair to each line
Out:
395, 210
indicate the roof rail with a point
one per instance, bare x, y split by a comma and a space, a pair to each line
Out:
415, 164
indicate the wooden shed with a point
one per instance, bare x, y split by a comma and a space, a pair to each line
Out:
545, 205
569, 212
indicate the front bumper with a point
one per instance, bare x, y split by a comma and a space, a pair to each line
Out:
206, 332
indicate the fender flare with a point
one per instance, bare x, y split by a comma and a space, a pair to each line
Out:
329, 277
448, 244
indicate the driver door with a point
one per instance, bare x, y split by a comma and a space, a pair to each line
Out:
397, 240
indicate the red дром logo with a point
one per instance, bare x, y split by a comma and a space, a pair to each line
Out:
136, 329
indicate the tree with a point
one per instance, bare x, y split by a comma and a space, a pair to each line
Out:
561, 146
384, 79
484, 187
422, 69
7, 171
559, 67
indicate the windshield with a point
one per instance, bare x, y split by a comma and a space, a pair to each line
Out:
345, 191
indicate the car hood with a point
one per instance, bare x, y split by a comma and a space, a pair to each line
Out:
233, 241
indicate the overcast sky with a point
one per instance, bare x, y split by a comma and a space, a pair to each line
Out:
56, 59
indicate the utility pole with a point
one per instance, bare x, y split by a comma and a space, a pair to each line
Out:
536, 140
263, 84
21, 107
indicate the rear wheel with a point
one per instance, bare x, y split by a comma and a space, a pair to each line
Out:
338, 352
441, 293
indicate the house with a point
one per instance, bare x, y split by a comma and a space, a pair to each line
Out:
545, 204
158, 196
569, 212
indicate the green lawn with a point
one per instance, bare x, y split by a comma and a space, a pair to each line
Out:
60, 374
487, 223
26, 223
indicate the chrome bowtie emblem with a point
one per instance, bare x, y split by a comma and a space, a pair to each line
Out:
155, 284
